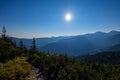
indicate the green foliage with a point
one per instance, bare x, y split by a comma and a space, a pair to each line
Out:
17, 69
22, 48
13, 65
106, 57
61, 67
8, 50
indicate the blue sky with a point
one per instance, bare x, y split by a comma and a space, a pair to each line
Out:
43, 18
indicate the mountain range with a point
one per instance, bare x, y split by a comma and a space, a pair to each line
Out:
77, 45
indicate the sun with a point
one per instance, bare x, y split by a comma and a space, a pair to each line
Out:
68, 17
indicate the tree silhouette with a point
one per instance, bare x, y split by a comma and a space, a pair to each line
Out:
22, 47
3, 34
33, 48
21, 44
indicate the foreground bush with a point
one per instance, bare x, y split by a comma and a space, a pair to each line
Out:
17, 69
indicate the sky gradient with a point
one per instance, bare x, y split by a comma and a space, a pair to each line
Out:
43, 18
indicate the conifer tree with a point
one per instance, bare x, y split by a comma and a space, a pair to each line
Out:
3, 35
22, 47
21, 44
33, 48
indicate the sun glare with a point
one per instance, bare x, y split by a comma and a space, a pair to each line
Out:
68, 17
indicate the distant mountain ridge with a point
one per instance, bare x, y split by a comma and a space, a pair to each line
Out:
39, 41
84, 44
76, 45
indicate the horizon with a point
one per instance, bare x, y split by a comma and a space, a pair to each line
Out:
61, 35
39, 18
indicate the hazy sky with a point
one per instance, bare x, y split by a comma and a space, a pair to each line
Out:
41, 18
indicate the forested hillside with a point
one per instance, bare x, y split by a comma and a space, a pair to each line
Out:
13, 65
18, 63
61, 67
106, 57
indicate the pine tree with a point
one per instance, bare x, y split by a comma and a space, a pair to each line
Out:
22, 47
33, 48
3, 35
21, 44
